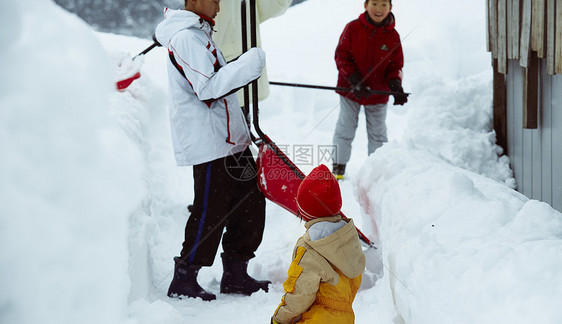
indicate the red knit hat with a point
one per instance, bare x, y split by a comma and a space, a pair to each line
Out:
319, 194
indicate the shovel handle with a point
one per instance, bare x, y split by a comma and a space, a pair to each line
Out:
148, 49
313, 86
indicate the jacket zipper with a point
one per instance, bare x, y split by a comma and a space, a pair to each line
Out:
227, 123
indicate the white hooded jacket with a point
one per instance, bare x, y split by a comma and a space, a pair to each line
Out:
206, 120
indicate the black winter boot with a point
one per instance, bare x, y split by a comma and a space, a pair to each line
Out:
338, 170
185, 282
235, 278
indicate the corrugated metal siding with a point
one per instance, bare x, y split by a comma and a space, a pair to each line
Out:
536, 154
556, 106
545, 125
515, 120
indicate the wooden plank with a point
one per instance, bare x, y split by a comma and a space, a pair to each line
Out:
538, 27
500, 108
488, 27
525, 33
514, 28
493, 21
550, 35
502, 36
530, 93
558, 39
510, 39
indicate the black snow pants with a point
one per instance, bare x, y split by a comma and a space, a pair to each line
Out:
226, 196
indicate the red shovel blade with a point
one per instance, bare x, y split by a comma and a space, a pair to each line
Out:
280, 184
276, 180
123, 84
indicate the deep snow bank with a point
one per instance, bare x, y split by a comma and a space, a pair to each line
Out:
460, 247
452, 118
69, 177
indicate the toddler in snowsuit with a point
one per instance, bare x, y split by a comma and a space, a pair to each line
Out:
369, 57
328, 262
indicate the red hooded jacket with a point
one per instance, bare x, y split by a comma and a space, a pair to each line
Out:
374, 52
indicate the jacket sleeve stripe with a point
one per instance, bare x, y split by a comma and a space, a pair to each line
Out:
189, 66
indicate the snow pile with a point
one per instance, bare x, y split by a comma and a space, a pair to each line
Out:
459, 247
69, 175
451, 83
453, 120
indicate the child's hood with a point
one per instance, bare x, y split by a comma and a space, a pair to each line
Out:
341, 248
176, 20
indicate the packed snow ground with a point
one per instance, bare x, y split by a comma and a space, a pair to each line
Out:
92, 206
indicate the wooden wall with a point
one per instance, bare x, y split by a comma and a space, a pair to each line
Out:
525, 41
516, 28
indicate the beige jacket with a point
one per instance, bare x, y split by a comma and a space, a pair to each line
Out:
228, 35
324, 277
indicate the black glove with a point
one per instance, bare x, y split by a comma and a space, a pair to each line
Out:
395, 85
358, 87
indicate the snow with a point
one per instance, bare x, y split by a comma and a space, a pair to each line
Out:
69, 175
93, 207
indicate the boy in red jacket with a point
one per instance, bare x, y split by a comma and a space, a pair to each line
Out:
369, 56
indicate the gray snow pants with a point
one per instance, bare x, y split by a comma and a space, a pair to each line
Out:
375, 116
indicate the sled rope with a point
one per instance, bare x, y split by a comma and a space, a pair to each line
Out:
392, 273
